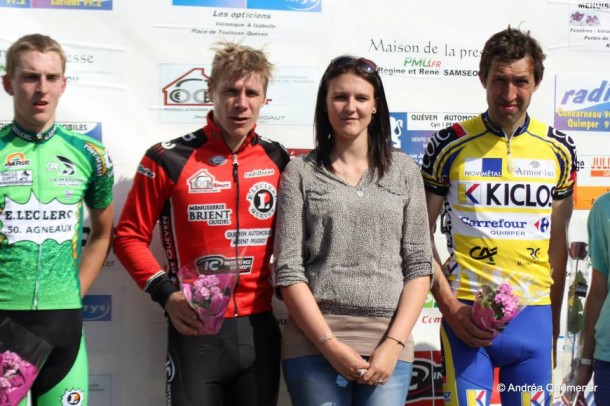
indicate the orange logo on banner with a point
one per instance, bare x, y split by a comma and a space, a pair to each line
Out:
600, 167
584, 196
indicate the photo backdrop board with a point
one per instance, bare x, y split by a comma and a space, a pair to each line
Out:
137, 75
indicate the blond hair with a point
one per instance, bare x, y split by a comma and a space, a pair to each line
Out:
234, 61
32, 42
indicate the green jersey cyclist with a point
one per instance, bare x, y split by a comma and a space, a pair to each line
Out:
46, 173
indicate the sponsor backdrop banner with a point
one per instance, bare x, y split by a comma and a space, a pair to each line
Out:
60, 4
137, 74
183, 95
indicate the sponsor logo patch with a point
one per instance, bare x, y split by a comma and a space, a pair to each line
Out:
218, 160
68, 167
142, 170
505, 194
36, 222
249, 237
213, 214
204, 182
484, 253
16, 160
534, 398
543, 224
259, 173
534, 168
476, 397
170, 369
483, 167
72, 397
215, 263
16, 178
262, 197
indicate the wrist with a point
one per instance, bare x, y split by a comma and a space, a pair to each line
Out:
323, 339
585, 361
396, 341
161, 288
328, 347
447, 304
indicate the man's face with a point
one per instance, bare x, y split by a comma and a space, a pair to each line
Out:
237, 103
509, 86
36, 86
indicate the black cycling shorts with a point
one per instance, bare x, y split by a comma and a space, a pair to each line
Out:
67, 362
240, 365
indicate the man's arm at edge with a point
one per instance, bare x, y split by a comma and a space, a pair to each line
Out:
456, 314
440, 288
558, 257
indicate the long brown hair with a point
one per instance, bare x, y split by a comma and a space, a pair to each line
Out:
379, 130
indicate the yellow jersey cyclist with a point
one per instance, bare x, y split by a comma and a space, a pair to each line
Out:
503, 182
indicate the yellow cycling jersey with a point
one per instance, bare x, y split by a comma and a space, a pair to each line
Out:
498, 196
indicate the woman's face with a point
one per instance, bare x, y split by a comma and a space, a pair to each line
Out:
350, 103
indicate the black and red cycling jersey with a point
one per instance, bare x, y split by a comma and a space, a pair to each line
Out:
204, 195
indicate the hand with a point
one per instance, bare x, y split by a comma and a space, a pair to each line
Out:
578, 378
382, 363
459, 318
182, 316
344, 359
583, 375
580, 400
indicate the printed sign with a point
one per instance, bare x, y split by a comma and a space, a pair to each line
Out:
312, 6
97, 308
59, 4
582, 103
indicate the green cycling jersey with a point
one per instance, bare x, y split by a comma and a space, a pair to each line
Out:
44, 179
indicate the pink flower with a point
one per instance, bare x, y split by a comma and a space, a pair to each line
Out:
16, 378
494, 309
206, 290
507, 301
209, 296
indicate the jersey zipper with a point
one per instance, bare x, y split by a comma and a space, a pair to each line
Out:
38, 169
237, 262
509, 159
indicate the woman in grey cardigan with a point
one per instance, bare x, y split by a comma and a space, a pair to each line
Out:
352, 250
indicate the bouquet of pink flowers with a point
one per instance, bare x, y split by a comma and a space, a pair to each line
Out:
16, 378
208, 294
22, 354
494, 309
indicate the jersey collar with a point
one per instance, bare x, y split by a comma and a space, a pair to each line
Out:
494, 129
216, 133
33, 136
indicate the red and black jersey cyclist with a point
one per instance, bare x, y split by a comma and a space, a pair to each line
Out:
213, 193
